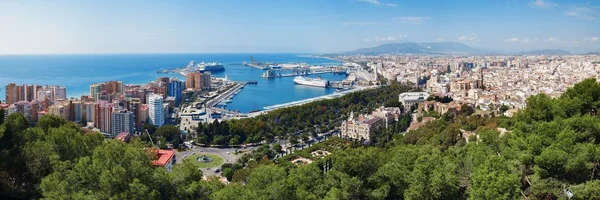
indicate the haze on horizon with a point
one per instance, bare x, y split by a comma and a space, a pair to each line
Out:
311, 26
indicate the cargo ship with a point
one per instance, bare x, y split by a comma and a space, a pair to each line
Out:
316, 82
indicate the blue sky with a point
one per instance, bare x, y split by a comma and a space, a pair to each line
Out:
216, 26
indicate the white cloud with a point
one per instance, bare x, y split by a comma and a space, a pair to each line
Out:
512, 40
583, 12
551, 39
438, 40
378, 3
592, 39
386, 39
542, 4
411, 20
571, 13
519, 40
374, 2
390, 38
470, 38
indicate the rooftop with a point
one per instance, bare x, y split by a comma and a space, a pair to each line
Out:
164, 156
414, 95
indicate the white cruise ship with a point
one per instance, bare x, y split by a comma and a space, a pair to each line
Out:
211, 67
317, 82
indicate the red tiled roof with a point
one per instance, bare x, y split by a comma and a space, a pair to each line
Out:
164, 157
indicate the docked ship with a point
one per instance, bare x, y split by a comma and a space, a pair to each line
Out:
210, 67
317, 82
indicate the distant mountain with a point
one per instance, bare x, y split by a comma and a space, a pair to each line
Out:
546, 52
419, 48
592, 53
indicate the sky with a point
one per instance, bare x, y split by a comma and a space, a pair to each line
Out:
292, 26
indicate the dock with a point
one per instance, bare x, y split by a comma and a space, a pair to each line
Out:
213, 102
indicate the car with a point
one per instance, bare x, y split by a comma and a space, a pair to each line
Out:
217, 170
228, 153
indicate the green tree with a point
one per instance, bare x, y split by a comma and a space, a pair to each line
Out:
2, 113
150, 127
495, 179
50, 121
168, 132
114, 170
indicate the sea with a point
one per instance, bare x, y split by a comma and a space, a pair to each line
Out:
77, 72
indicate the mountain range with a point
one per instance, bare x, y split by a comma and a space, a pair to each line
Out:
442, 48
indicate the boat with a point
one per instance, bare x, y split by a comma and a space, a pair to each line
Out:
271, 74
275, 66
316, 82
228, 100
211, 67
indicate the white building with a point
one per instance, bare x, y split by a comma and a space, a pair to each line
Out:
409, 99
52, 93
122, 121
156, 109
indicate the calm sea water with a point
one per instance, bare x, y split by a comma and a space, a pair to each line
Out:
77, 72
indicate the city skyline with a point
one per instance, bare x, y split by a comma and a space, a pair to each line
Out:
307, 26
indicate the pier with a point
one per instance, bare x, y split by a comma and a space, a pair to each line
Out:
213, 102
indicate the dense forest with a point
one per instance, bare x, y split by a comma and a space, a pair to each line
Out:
549, 148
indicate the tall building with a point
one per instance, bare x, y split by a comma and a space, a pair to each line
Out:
88, 112
122, 121
59, 109
205, 81
76, 111
95, 89
15, 93
106, 90
53, 93
155, 109
189, 80
28, 109
103, 116
142, 115
11, 93
175, 90
198, 80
